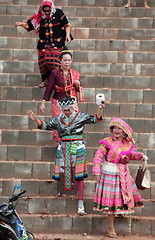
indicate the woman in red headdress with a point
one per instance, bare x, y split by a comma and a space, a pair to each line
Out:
53, 29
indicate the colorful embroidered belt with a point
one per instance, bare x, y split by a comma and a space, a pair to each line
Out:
63, 89
72, 138
68, 159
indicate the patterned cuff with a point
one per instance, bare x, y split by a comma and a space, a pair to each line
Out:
96, 170
98, 119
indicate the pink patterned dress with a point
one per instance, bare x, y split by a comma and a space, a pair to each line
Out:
116, 191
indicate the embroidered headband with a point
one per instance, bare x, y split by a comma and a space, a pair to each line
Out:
66, 103
124, 126
64, 51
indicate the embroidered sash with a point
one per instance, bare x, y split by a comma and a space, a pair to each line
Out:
68, 157
67, 167
76, 76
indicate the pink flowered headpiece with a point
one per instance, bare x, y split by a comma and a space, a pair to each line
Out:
124, 126
36, 18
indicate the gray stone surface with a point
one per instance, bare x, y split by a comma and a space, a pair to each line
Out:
16, 153
114, 53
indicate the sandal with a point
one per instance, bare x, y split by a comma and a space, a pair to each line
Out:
42, 85
112, 235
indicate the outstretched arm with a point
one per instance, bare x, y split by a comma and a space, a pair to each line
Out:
33, 117
21, 24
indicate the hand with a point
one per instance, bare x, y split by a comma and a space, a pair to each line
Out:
42, 107
20, 24
17, 24
101, 106
144, 163
68, 39
144, 158
100, 111
31, 115
97, 177
77, 83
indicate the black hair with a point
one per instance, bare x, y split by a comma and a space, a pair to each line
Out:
111, 128
65, 53
46, 6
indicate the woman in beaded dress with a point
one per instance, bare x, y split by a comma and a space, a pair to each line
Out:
53, 29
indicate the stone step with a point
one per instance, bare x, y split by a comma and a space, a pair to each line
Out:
88, 21
25, 153
11, 31
18, 43
47, 153
103, 69
123, 110
112, 95
75, 9
89, 33
20, 79
19, 54
47, 188
21, 2
75, 2
112, 12
97, 3
128, 57
17, 158
38, 170
52, 205
88, 224
84, 236
88, 81
41, 137
9, 120
83, 44
109, 33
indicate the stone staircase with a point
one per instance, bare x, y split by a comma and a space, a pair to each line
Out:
114, 53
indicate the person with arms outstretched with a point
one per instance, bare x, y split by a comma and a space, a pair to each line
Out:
53, 28
71, 153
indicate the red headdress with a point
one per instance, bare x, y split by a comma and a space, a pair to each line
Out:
36, 18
